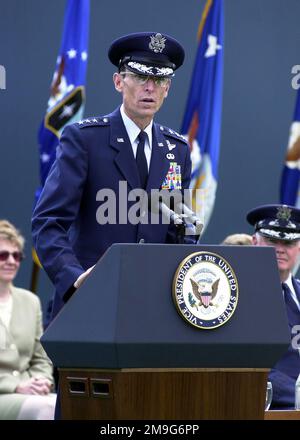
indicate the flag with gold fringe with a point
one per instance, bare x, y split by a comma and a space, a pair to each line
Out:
66, 102
289, 190
202, 118
67, 96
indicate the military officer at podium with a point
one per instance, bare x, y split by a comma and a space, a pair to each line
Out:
98, 153
279, 226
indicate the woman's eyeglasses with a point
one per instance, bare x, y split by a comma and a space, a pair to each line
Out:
18, 256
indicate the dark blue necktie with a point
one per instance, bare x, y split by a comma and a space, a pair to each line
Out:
141, 160
293, 312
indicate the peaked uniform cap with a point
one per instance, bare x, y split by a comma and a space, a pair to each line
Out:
281, 222
147, 53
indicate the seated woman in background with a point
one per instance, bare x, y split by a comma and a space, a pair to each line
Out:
25, 370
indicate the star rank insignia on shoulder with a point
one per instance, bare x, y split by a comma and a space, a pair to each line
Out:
93, 121
173, 134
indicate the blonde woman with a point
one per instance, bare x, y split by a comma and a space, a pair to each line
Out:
238, 239
25, 370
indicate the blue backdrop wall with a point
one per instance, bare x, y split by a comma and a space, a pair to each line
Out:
261, 45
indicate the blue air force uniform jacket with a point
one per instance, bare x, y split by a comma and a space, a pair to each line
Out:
94, 154
284, 374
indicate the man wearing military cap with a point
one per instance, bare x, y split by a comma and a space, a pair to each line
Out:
279, 226
99, 152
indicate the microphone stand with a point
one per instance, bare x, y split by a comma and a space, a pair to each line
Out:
181, 221
181, 231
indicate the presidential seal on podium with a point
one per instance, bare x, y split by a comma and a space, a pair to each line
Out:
205, 290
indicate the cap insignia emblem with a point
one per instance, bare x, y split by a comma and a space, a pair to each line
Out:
157, 43
283, 213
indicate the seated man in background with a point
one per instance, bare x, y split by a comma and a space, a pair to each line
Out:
25, 370
279, 226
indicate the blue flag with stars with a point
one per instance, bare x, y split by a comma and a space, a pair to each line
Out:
66, 102
202, 119
290, 191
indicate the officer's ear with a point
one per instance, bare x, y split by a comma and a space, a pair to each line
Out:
167, 88
118, 82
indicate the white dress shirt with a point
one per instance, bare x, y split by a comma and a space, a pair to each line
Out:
289, 282
133, 131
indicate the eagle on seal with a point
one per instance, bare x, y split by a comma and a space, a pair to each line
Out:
205, 291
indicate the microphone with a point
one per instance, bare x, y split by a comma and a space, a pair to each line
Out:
189, 216
170, 214
157, 206
169, 204
176, 200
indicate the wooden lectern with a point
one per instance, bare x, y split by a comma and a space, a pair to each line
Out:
124, 352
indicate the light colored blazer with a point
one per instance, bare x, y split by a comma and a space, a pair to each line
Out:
21, 353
